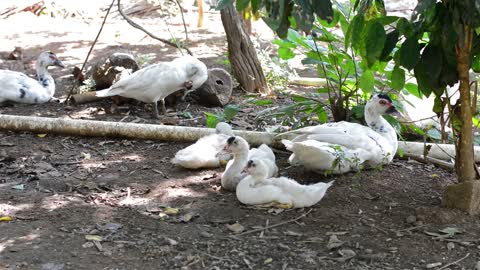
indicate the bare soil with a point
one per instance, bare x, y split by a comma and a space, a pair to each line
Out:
110, 203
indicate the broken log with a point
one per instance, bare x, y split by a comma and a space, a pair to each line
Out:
120, 130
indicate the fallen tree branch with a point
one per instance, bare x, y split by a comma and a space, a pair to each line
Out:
438, 151
134, 24
116, 129
278, 224
429, 160
75, 84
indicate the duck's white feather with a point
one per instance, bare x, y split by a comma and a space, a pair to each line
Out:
157, 81
239, 147
18, 87
256, 189
205, 153
342, 147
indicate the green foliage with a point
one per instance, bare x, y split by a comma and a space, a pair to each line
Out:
229, 112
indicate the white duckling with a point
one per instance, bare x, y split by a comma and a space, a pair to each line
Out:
239, 147
205, 153
343, 146
257, 188
18, 87
155, 82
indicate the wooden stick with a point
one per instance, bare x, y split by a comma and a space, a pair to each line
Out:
455, 262
429, 160
126, 130
276, 225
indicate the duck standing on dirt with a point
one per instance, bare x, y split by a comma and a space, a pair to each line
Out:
18, 87
256, 188
239, 147
155, 82
205, 153
344, 146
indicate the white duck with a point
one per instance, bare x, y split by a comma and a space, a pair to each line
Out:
205, 153
239, 147
343, 146
155, 82
18, 87
256, 188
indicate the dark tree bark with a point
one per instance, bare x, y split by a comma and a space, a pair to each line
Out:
241, 53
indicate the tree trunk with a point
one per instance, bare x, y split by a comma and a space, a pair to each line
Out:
466, 194
241, 53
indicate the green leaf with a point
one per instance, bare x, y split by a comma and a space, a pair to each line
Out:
358, 112
451, 231
394, 122
263, 102
285, 53
284, 43
438, 105
398, 78
409, 53
387, 20
380, 5
213, 119
374, 42
321, 114
416, 129
230, 111
476, 63
413, 89
367, 81
390, 44
223, 4
242, 4
354, 31
256, 5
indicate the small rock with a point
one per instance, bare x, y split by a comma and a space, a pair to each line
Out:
88, 245
334, 242
347, 253
450, 246
205, 234
53, 266
368, 251
283, 246
411, 219
477, 266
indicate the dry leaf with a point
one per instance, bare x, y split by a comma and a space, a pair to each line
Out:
187, 217
171, 211
235, 227
292, 233
268, 260
85, 156
93, 237
6, 218
41, 135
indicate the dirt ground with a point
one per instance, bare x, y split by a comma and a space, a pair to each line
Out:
111, 203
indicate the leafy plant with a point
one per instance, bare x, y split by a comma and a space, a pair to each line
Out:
229, 112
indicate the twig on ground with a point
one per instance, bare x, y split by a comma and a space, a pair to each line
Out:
134, 24
429, 160
455, 262
411, 228
75, 84
276, 225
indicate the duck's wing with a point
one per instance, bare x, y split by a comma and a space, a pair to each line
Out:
159, 79
262, 152
261, 193
201, 154
18, 87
